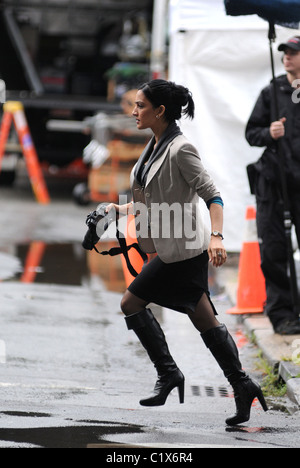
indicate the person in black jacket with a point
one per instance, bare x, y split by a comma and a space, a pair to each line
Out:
264, 130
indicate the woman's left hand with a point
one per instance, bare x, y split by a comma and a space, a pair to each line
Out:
216, 252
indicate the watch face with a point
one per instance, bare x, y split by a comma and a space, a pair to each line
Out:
217, 234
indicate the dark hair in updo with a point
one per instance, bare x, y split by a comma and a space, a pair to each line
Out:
176, 99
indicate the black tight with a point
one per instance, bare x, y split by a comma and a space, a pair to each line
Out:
203, 318
131, 304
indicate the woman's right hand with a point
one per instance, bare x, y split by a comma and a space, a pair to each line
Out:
121, 209
112, 206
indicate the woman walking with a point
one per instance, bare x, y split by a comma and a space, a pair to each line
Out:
167, 181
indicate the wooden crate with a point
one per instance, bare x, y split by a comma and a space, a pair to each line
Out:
113, 177
105, 180
125, 151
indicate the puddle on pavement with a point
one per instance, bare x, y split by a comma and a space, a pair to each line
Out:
63, 264
26, 414
69, 264
92, 434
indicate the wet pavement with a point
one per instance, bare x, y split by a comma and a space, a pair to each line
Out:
71, 375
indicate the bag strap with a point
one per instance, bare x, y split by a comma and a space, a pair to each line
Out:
123, 249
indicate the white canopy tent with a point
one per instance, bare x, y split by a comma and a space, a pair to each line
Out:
225, 62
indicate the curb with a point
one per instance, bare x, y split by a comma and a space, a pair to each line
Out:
280, 352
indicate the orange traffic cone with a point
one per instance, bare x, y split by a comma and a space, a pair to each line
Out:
134, 257
251, 294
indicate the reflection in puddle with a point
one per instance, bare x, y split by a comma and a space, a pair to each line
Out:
94, 433
26, 414
69, 264
56, 263
64, 264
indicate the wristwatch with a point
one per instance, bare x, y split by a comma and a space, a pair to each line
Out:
217, 234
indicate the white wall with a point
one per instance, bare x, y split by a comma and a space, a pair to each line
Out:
225, 62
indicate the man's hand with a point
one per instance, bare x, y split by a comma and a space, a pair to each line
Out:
277, 129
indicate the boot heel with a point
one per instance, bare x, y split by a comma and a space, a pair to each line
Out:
262, 401
181, 392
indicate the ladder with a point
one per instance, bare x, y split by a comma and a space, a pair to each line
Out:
14, 113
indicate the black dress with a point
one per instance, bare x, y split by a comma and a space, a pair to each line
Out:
178, 286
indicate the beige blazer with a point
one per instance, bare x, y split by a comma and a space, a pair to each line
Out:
167, 210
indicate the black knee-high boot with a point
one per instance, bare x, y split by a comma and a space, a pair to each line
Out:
223, 348
153, 339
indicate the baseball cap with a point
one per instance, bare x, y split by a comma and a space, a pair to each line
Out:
293, 43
